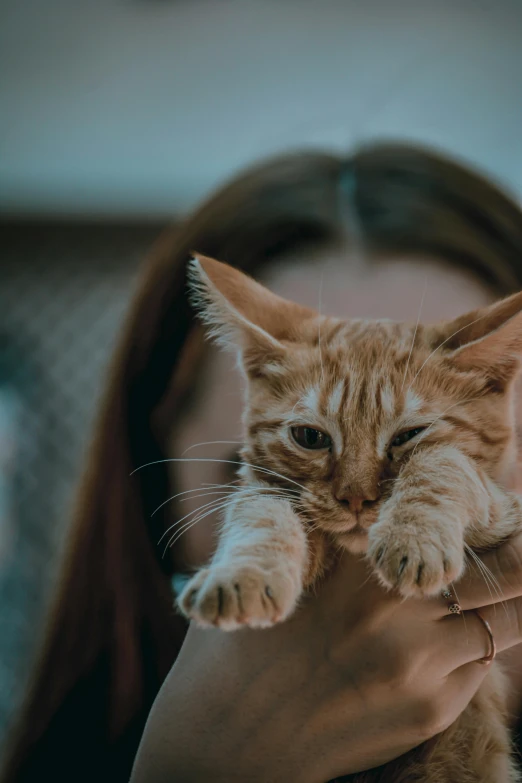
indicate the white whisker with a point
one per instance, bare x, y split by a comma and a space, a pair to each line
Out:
279, 493
193, 522
236, 490
443, 343
489, 578
229, 483
214, 502
176, 538
208, 493
476, 563
319, 326
222, 461
188, 492
231, 487
199, 513
212, 443
415, 332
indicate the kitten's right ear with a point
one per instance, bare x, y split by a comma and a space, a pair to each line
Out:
242, 314
486, 341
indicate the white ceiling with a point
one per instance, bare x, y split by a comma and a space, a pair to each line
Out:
138, 107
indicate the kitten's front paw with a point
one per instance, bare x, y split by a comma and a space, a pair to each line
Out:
417, 558
231, 597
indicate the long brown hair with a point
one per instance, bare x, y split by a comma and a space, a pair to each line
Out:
113, 634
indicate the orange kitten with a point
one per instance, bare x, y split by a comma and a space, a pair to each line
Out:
380, 437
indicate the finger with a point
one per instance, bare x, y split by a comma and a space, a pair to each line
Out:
462, 685
444, 706
500, 581
466, 640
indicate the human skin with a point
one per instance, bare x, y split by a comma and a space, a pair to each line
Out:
356, 677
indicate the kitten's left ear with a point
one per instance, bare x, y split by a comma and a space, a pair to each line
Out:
488, 340
242, 314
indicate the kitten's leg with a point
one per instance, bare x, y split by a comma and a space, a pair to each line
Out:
440, 500
256, 575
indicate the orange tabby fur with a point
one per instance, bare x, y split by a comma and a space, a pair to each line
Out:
411, 508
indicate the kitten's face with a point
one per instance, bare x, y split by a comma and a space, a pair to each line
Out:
335, 408
339, 419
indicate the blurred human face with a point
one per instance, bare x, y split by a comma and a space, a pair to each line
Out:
337, 285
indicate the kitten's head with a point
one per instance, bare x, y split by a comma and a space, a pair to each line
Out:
335, 408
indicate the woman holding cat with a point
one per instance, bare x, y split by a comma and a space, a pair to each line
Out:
356, 677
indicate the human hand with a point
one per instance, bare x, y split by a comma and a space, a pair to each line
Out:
355, 678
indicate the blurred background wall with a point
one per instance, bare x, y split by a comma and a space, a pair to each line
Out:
137, 107
118, 115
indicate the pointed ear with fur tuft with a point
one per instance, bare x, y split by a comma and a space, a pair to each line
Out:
487, 341
243, 315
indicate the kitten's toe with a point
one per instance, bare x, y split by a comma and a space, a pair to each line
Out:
229, 597
186, 600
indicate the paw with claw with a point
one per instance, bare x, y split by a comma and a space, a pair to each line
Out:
418, 555
230, 597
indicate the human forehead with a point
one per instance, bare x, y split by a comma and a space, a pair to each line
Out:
343, 285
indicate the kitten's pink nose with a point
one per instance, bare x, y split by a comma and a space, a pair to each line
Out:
356, 503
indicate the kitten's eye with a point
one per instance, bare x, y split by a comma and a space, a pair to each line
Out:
309, 438
403, 437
